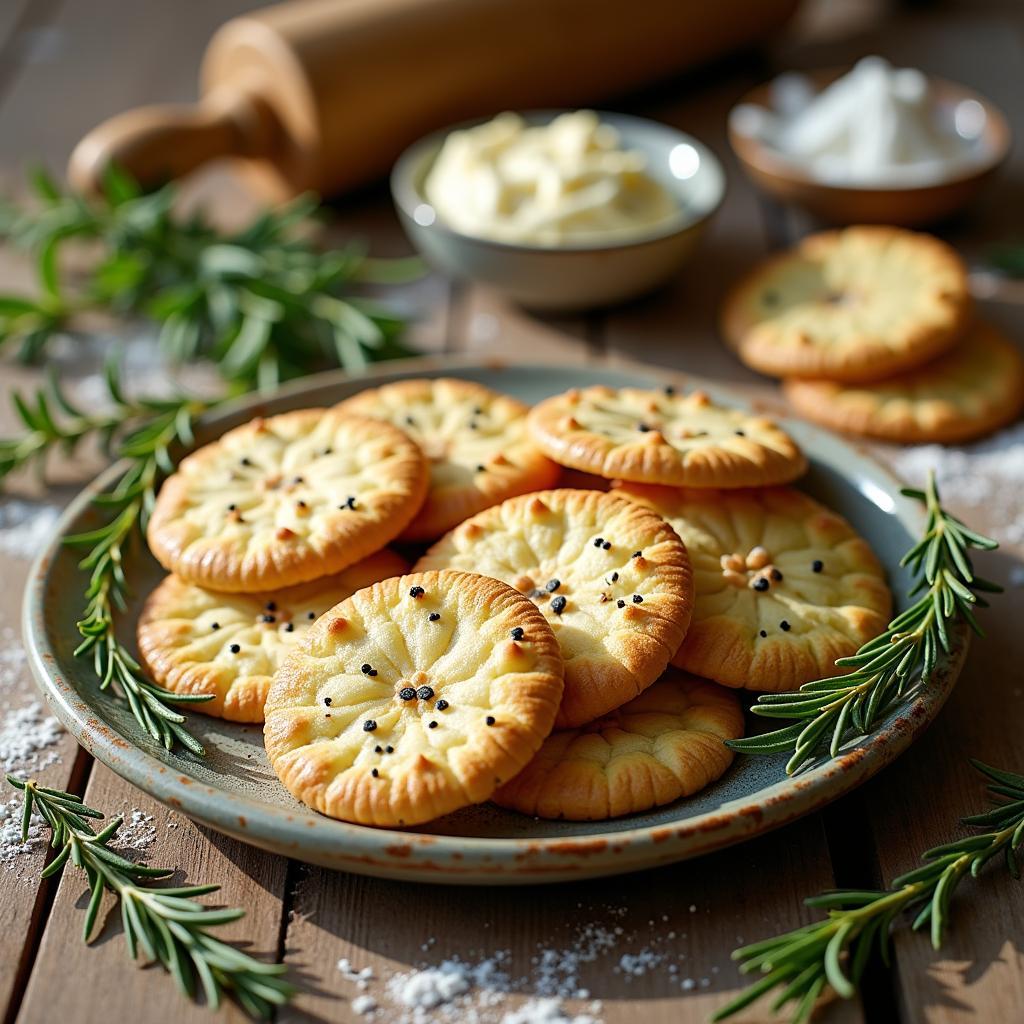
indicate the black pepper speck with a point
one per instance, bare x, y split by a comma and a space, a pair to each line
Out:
214, 625
517, 633
620, 603
369, 725
235, 648
607, 545
232, 507
268, 618
764, 633
785, 626
441, 705
558, 605
327, 701
431, 725
614, 577
365, 668
776, 575
389, 750
407, 693
271, 606
434, 616
425, 693
290, 628
817, 565
761, 584
416, 591
374, 773
311, 616
378, 749
489, 719
638, 599
741, 433
552, 585
642, 427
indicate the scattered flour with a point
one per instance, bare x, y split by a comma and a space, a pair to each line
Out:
988, 474
25, 527
27, 737
138, 831
545, 1011
477, 989
11, 846
364, 1005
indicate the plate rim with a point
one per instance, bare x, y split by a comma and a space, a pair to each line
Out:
400, 854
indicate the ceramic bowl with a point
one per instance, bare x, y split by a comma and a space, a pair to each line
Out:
580, 276
910, 206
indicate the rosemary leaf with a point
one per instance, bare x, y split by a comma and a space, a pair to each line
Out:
889, 668
834, 953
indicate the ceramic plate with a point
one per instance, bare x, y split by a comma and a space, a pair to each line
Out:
234, 791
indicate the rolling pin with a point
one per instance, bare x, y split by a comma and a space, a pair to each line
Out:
323, 95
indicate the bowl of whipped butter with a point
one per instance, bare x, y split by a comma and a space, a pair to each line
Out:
559, 210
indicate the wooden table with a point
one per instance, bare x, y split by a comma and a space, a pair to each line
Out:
65, 65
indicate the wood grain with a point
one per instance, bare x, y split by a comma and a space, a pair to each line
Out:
116, 990
689, 914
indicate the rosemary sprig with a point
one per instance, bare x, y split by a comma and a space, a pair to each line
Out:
142, 431
887, 669
164, 924
833, 953
263, 303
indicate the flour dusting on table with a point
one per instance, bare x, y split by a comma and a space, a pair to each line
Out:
989, 475
494, 988
27, 737
26, 527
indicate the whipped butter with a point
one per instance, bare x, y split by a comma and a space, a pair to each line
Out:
565, 183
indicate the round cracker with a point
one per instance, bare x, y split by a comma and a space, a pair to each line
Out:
414, 698
287, 499
187, 635
855, 305
783, 585
612, 579
970, 391
664, 437
665, 744
476, 439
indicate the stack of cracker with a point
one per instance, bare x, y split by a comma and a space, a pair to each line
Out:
567, 652
873, 331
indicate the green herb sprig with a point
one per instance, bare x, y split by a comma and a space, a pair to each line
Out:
264, 304
143, 432
162, 924
833, 954
888, 668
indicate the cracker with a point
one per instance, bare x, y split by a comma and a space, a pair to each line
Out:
287, 499
229, 646
413, 698
664, 437
855, 305
783, 585
665, 744
612, 580
479, 449
970, 391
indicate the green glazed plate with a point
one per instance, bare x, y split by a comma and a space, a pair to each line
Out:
234, 791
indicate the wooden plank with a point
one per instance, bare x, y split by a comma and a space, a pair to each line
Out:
115, 989
688, 915
486, 324
979, 975
127, 53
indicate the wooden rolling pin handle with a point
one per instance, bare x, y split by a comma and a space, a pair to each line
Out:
158, 143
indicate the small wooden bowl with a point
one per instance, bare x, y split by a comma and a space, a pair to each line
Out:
908, 206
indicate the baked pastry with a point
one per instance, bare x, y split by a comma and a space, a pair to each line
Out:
663, 437
975, 388
479, 449
287, 499
414, 697
855, 305
612, 580
199, 641
783, 585
665, 744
